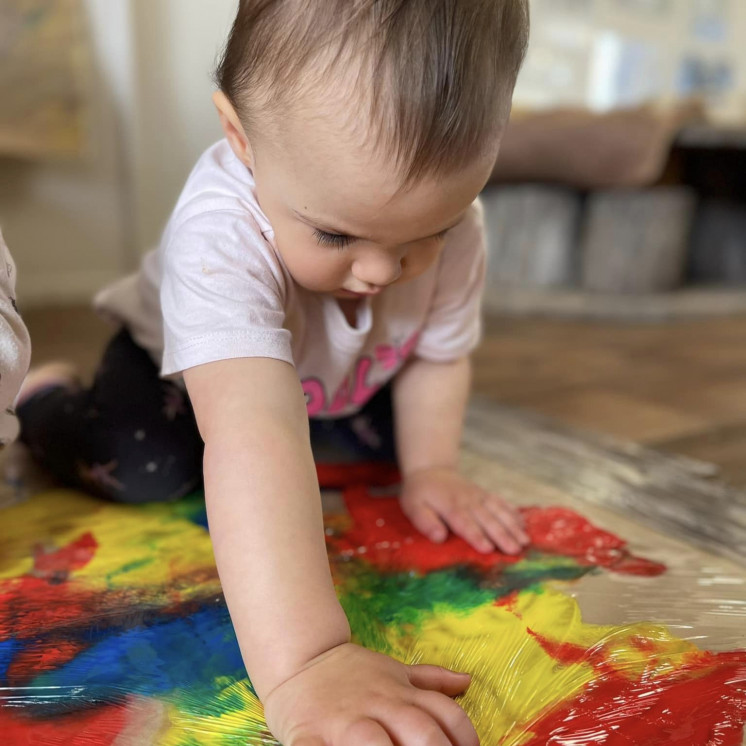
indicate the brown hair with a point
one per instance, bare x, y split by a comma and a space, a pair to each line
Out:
440, 72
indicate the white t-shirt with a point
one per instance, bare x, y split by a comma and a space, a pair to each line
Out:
217, 289
15, 348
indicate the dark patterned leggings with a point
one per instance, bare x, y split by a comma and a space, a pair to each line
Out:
132, 437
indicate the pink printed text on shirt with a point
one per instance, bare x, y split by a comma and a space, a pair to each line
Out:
356, 389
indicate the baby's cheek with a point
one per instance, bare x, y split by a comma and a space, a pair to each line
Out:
318, 271
419, 260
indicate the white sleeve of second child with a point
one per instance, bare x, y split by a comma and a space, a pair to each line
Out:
15, 348
222, 293
454, 322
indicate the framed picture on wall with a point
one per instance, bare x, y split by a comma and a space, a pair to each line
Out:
41, 77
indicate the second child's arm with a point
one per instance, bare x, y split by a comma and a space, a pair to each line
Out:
264, 511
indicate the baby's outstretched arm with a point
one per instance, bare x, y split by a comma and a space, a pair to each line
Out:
429, 403
265, 520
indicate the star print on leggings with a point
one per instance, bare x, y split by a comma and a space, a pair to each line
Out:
100, 475
173, 402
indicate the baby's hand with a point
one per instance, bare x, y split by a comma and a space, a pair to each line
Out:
350, 695
437, 499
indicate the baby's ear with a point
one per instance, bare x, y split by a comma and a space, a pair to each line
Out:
233, 129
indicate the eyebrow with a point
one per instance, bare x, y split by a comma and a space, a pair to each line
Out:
320, 225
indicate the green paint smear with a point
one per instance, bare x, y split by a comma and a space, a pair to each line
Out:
374, 602
218, 700
129, 567
537, 569
402, 602
190, 508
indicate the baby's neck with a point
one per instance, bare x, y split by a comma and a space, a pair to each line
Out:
349, 308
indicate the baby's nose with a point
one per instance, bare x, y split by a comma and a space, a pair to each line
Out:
379, 270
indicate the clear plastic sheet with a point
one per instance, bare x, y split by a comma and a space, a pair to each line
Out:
113, 628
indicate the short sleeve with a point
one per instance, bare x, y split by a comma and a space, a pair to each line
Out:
222, 292
15, 347
454, 322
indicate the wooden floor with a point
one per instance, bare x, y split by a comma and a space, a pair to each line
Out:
678, 386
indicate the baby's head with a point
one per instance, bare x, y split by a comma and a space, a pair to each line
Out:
370, 125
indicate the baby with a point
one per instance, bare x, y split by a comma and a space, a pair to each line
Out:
325, 260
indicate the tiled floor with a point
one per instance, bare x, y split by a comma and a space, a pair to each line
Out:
678, 386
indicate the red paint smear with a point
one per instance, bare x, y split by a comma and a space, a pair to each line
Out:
563, 652
59, 563
339, 476
100, 726
43, 599
509, 602
563, 531
385, 537
569, 654
701, 704
44, 655
643, 644
30, 606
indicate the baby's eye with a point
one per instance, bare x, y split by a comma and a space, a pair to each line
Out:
339, 240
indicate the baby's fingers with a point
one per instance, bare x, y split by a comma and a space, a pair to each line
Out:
450, 717
508, 517
415, 727
513, 510
495, 528
427, 522
438, 679
366, 733
464, 523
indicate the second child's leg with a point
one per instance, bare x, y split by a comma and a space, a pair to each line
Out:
131, 437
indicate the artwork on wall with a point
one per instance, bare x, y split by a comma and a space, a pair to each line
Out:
710, 20
624, 71
711, 79
41, 85
113, 629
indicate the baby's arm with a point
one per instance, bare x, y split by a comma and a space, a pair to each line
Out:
429, 404
265, 520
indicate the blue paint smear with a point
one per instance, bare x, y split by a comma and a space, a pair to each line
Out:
200, 518
191, 508
8, 650
181, 653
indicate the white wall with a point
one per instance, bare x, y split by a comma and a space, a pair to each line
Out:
178, 42
65, 222
73, 227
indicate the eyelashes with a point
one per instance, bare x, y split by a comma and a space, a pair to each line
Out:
337, 240
340, 241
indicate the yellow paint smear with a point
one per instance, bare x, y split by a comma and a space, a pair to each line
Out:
138, 546
514, 678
